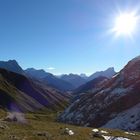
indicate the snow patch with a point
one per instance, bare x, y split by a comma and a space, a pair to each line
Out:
95, 130
129, 133
104, 132
114, 138
68, 132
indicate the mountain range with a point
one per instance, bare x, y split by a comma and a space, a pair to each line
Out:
113, 104
65, 82
111, 101
49, 79
75, 79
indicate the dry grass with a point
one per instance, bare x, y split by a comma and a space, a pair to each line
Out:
43, 127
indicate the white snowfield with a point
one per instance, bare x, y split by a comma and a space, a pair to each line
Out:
127, 120
113, 138
103, 133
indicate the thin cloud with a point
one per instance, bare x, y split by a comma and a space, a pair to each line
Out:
50, 68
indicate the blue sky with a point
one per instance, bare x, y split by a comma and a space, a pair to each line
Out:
71, 36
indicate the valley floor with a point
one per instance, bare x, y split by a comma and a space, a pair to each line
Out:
43, 127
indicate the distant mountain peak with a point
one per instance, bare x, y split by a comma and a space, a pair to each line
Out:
12, 61
106, 73
110, 68
33, 69
49, 78
40, 73
30, 69
75, 79
83, 75
11, 65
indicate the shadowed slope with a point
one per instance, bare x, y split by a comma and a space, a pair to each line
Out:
28, 94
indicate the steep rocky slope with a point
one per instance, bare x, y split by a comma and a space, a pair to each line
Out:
18, 92
110, 103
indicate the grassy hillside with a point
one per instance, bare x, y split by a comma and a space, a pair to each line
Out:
43, 127
22, 93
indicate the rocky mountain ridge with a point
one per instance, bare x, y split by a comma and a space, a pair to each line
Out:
110, 102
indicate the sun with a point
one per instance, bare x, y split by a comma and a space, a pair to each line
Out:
125, 24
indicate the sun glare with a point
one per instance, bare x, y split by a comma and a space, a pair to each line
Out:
125, 24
